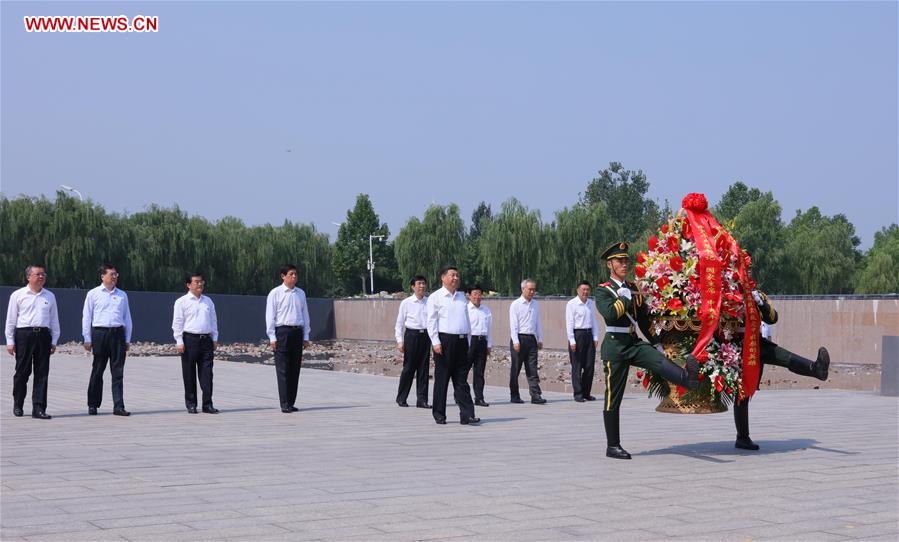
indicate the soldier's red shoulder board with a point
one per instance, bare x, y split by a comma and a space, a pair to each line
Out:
606, 284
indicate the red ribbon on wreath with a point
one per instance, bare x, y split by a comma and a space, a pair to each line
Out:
709, 236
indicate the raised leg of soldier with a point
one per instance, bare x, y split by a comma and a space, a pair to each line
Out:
773, 354
643, 354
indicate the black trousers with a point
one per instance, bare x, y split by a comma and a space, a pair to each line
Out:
527, 356
583, 363
197, 358
416, 355
108, 347
452, 363
288, 361
477, 359
32, 349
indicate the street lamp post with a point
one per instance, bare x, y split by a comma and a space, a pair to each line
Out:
371, 261
68, 188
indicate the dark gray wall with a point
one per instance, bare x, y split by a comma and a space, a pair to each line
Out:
241, 318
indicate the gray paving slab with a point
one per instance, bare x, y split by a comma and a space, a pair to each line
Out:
351, 465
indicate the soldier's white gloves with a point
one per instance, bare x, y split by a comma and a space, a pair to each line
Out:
624, 292
758, 297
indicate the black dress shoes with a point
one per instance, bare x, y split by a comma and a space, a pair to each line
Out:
470, 421
92, 410
590, 397
120, 412
192, 410
402, 403
745, 443
617, 452
294, 409
579, 400
481, 402
210, 410
441, 421
285, 410
40, 415
538, 401
18, 412
422, 405
517, 400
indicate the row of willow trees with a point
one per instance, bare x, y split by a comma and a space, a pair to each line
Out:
811, 254
153, 249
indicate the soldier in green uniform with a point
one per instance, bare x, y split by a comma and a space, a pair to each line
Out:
623, 309
772, 354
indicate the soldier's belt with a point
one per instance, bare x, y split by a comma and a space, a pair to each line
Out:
616, 329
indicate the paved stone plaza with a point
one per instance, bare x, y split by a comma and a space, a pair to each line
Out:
351, 465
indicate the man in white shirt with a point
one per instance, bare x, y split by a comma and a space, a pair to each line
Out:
582, 330
411, 331
287, 326
195, 327
526, 334
449, 329
32, 330
106, 328
481, 320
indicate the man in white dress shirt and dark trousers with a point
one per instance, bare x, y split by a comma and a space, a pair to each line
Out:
32, 330
526, 334
411, 331
196, 333
481, 320
449, 329
287, 326
106, 328
582, 329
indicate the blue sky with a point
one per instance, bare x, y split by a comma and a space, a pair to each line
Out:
427, 102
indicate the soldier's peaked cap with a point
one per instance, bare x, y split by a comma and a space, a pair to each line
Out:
618, 250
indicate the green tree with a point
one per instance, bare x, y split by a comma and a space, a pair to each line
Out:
511, 246
23, 224
758, 228
624, 193
821, 253
162, 250
880, 271
153, 249
738, 195
480, 217
256, 255
471, 257
424, 246
574, 246
67, 235
350, 259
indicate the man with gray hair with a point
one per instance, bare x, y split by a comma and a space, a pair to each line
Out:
32, 330
526, 334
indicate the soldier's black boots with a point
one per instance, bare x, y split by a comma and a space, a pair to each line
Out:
613, 438
741, 420
822, 364
617, 452
687, 376
806, 367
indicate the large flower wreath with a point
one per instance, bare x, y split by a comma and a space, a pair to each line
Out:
696, 283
